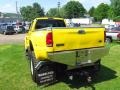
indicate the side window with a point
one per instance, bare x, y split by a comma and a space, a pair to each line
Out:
30, 25
39, 25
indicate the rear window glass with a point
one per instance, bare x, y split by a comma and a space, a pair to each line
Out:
49, 23
10, 27
20, 26
116, 28
3, 27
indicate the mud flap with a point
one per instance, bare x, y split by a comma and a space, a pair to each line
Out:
45, 75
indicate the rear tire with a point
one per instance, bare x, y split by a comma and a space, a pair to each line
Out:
43, 68
16, 32
4, 33
108, 40
32, 65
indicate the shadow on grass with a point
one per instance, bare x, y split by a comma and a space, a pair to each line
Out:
105, 74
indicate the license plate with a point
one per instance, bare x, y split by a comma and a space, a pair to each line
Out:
82, 56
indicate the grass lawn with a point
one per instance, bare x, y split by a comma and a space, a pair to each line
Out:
15, 72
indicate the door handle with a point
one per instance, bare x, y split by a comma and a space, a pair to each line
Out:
81, 32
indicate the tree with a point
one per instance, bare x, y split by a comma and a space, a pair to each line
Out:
52, 12
62, 12
101, 12
74, 9
91, 11
117, 19
111, 14
115, 4
26, 13
38, 11
31, 12
114, 12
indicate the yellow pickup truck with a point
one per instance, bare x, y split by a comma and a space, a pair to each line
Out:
53, 48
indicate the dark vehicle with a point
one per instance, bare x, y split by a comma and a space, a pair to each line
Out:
7, 30
115, 29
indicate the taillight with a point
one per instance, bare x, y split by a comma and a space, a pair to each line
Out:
49, 40
118, 36
104, 36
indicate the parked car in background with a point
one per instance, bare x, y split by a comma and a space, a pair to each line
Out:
26, 28
7, 29
19, 29
110, 27
113, 34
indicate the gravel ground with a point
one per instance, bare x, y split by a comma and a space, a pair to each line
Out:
9, 39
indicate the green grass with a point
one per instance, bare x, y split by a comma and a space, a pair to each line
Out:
15, 72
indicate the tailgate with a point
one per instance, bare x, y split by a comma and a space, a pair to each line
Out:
77, 38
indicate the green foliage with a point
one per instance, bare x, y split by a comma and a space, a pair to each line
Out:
12, 15
15, 72
74, 9
62, 12
91, 11
117, 19
111, 13
101, 12
26, 13
114, 11
115, 4
55, 12
52, 12
38, 11
31, 12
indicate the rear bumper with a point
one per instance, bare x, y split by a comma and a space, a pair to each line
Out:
79, 57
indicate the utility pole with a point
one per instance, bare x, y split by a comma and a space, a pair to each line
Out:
17, 12
59, 8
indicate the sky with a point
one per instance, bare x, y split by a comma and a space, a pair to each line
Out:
10, 5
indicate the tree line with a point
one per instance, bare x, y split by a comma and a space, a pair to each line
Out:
74, 9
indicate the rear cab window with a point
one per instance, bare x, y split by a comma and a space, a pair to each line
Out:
43, 23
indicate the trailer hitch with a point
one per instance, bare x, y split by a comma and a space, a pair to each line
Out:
87, 76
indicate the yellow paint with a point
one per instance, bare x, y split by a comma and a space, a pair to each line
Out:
93, 37
67, 38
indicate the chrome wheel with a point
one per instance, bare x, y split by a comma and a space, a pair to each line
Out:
31, 66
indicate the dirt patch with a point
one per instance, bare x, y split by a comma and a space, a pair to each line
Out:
9, 39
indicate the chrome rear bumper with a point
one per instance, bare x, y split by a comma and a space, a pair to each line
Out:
79, 57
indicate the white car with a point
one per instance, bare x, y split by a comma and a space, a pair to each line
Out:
18, 28
113, 34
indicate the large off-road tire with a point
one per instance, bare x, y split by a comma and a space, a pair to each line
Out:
33, 62
43, 70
